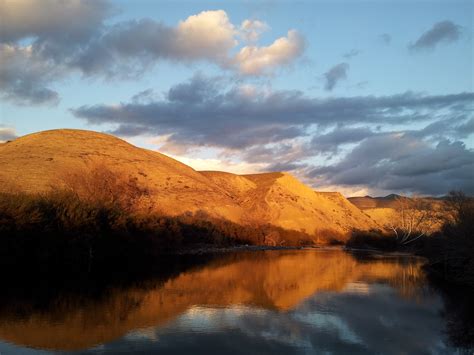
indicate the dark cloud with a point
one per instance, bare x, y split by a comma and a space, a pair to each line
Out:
401, 162
56, 20
352, 53
335, 74
55, 31
293, 130
25, 77
386, 38
444, 31
202, 112
331, 141
196, 90
144, 96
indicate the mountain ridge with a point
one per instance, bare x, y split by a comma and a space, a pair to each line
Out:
35, 163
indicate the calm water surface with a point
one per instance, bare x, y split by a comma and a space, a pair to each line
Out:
268, 302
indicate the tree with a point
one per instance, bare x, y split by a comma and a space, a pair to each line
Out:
100, 185
461, 208
412, 219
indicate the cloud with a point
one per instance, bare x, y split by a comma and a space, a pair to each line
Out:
219, 164
25, 77
444, 31
253, 60
136, 45
72, 20
386, 38
7, 133
401, 162
351, 53
203, 111
251, 30
335, 74
38, 40
353, 142
331, 141
42, 42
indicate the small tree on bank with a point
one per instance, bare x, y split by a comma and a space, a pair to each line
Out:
412, 219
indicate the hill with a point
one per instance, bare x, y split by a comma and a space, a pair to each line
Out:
382, 209
282, 200
37, 162
368, 202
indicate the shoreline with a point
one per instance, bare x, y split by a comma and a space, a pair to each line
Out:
209, 249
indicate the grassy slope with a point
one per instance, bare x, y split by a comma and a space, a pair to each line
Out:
37, 162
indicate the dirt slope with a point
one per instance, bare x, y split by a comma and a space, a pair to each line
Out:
383, 209
36, 162
367, 202
281, 199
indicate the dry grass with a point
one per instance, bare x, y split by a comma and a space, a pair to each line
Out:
39, 162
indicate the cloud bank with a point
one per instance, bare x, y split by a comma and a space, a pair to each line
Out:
345, 141
42, 42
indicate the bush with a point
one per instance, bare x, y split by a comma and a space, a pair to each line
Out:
451, 252
62, 228
373, 239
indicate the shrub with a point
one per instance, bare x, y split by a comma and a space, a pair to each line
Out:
373, 239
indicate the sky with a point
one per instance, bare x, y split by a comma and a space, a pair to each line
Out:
362, 97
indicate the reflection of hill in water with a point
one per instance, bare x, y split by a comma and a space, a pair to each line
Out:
270, 280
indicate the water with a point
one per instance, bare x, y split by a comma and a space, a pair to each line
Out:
266, 302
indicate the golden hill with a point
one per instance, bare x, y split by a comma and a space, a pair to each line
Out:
383, 209
282, 200
36, 163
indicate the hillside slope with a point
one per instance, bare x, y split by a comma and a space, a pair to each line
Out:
36, 163
383, 209
282, 200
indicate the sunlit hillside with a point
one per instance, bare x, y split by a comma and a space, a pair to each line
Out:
43, 161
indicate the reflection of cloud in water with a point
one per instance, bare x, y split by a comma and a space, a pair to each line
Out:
270, 302
328, 322
357, 287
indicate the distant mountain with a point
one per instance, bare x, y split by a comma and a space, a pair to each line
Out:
36, 163
368, 202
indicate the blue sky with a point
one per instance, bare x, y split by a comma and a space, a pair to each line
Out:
346, 95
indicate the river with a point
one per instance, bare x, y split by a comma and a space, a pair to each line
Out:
254, 302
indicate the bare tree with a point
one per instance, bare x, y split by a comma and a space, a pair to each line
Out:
412, 219
461, 209
100, 184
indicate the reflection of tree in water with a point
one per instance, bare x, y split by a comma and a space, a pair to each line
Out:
406, 279
277, 281
459, 315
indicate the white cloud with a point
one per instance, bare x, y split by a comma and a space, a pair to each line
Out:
43, 41
254, 60
220, 165
7, 133
209, 34
250, 30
